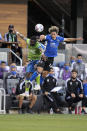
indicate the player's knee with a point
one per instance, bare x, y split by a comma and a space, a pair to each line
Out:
21, 97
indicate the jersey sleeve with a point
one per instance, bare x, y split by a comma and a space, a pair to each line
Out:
80, 87
47, 38
41, 46
34, 75
44, 86
61, 39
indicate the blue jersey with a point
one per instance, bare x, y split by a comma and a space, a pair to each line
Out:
52, 46
34, 75
42, 46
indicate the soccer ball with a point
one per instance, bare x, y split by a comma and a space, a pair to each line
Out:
39, 28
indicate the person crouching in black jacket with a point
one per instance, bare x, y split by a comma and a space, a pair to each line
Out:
49, 84
74, 90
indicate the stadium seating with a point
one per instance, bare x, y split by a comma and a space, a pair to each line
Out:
1, 83
41, 103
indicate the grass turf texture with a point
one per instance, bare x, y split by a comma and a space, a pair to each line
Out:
43, 122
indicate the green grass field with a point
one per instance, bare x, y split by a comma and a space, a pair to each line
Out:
43, 122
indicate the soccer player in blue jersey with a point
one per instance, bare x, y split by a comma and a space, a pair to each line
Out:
53, 40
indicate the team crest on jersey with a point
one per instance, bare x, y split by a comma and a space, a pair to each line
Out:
47, 80
76, 83
70, 83
53, 44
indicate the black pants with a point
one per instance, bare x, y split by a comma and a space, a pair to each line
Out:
84, 102
70, 100
49, 61
52, 100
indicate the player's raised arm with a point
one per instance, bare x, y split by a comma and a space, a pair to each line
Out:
21, 35
72, 39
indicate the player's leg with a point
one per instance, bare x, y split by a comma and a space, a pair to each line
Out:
51, 99
20, 98
69, 101
32, 99
84, 104
29, 70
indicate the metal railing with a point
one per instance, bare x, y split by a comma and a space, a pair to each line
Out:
2, 101
17, 57
5, 57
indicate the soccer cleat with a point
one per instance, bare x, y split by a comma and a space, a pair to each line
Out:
20, 111
30, 111
59, 112
69, 111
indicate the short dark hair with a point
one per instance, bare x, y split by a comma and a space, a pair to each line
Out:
11, 26
75, 71
33, 38
79, 55
48, 68
40, 64
3, 62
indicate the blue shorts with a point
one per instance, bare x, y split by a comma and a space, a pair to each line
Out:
30, 66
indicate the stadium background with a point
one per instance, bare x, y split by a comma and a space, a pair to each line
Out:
71, 17
24, 13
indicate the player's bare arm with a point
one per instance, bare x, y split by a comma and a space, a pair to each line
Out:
21, 35
72, 39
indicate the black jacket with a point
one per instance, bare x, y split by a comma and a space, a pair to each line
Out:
75, 87
49, 83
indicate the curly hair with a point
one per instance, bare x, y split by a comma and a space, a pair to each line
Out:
53, 29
